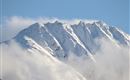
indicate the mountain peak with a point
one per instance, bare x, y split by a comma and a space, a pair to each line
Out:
81, 23
36, 24
57, 22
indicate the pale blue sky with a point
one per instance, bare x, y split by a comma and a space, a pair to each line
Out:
113, 12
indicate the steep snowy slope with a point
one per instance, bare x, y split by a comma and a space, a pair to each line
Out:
54, 64
61, 39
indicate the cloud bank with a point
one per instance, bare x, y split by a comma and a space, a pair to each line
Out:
112, 63
12, 25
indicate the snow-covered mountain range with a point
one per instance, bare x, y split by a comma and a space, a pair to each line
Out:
58, 40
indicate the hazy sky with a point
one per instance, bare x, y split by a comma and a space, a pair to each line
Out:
113, 12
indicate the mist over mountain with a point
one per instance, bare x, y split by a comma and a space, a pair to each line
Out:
86, 50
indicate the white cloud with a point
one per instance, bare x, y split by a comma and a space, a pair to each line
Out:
16, 21
12, 25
